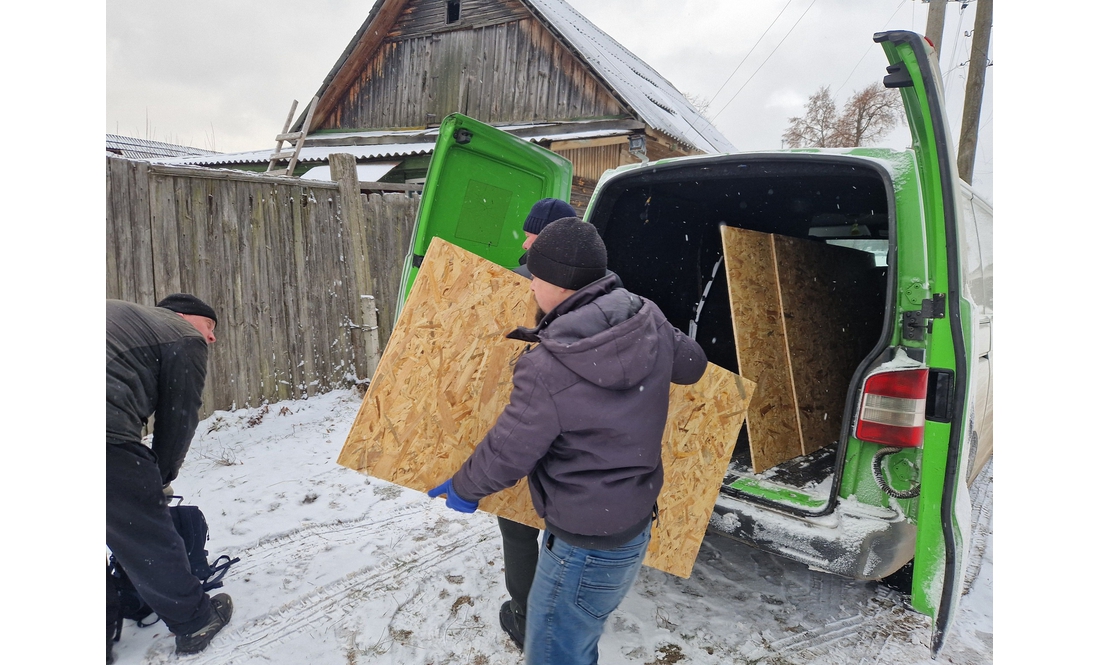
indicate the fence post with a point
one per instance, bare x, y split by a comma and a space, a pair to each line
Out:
370, 339
342, 167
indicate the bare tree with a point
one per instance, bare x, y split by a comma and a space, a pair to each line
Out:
817, 128
700, 103
868, 115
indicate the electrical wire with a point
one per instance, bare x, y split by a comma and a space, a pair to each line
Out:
766, 59
873, 45
762, 35
720, 88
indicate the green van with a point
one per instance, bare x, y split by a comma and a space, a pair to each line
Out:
890, 487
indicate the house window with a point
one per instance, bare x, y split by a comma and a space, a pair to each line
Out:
452, 10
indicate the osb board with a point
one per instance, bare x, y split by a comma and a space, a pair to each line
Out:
446, 375
703, 422
828, 300
774, 433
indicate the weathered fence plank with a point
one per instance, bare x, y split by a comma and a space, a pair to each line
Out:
284, 262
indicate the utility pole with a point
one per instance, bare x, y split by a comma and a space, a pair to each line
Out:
975, 87
937, 10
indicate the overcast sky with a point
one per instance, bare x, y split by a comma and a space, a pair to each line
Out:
221, 75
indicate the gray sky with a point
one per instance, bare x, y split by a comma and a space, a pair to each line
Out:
221, 75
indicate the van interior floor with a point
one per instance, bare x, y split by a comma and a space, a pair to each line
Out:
800, 472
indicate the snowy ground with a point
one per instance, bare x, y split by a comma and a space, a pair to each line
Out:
340, 568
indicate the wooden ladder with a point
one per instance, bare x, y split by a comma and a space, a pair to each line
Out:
297, 139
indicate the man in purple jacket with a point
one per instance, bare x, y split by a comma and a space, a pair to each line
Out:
584, 424
520, 543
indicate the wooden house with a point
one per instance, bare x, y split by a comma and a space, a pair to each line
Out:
535, 68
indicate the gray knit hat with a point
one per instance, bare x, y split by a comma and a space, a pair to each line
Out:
568, 253
185, 303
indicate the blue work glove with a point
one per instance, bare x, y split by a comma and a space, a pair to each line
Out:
454, 501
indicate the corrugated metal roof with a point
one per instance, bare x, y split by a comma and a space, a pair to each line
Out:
308, 154
657, 101
390, 144
135, 148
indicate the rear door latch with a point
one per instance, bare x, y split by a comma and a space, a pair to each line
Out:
918, 322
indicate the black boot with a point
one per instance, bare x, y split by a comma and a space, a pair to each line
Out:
513, 623
221, 609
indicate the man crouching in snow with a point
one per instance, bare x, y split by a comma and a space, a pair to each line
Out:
156, 366
584, 425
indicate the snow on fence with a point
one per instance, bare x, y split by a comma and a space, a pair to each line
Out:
284, 261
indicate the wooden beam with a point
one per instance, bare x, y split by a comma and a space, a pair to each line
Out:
373, 36
389, 187
236, 174
588, 143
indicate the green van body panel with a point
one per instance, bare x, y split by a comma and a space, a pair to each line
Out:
944, 505
478, 192
481, 184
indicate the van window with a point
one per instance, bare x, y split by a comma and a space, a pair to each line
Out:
879, 247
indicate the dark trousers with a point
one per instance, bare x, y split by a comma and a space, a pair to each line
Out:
521, 559
143, 539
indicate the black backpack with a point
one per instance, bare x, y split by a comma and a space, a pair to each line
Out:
123, 600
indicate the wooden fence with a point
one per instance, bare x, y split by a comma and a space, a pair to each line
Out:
284, 261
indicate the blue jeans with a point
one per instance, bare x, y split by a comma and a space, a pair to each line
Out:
574, 592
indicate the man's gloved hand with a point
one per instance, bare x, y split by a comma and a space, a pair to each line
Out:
454, 501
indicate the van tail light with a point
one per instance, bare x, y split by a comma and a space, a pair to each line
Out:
892, 411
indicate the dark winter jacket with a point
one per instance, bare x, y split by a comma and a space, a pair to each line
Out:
156, 365
587, 415
522, 268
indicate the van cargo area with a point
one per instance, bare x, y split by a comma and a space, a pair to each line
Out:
662, 226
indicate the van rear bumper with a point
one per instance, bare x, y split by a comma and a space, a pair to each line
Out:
855, 540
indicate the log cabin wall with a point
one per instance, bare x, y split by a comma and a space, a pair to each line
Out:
494, 67
590, 163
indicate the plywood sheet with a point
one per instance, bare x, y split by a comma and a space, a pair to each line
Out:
829, 313
703, 422
756, 307
446, 375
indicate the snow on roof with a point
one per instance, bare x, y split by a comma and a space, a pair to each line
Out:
395, 143
308, 154
657, 101
134, 148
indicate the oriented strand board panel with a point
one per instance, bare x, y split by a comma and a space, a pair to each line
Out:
756, 307
832, 315
703, 422
445, 376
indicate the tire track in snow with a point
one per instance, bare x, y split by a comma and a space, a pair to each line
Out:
981, 523
322, 607
292, 544
867, 638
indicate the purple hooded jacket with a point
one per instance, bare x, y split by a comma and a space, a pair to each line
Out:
587, 414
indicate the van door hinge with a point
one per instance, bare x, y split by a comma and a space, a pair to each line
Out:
918, 322
897, 76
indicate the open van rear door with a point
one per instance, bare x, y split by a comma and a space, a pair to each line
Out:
944, 513
481, 184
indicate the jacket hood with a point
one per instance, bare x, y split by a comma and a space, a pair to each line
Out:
605, 334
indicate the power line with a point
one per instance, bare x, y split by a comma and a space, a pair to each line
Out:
884, 26
765, 59
715, 95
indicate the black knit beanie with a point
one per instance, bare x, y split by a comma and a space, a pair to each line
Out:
546, 211
185, 303
568, 253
